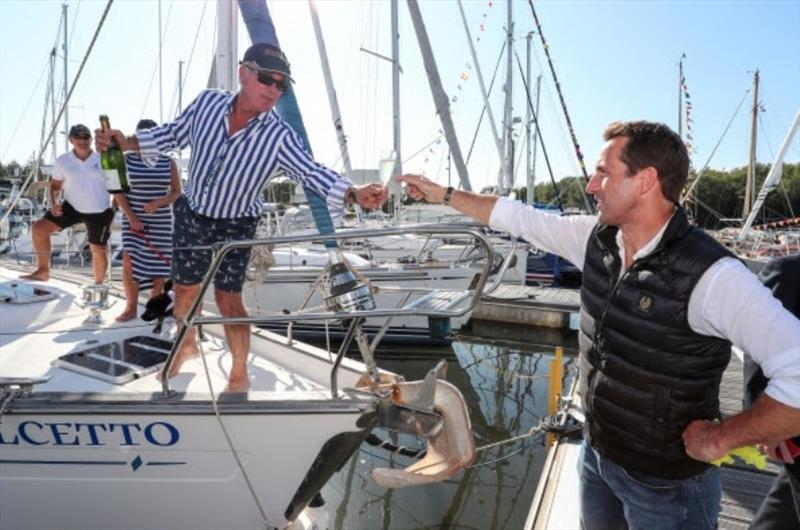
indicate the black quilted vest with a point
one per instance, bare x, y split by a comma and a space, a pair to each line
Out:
644, 374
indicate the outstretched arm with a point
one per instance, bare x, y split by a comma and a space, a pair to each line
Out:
477, 206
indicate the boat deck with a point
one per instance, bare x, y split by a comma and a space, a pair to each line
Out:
29, 327
555, 505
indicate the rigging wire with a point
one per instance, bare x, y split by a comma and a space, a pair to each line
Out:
22, 117
483, 110
228, 438
541, 139
688, 192
191, 54
589, 203
423, 148
163, 31
762, 122
35, 167
74, 20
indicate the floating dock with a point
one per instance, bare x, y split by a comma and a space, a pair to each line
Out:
555, 504
547, 307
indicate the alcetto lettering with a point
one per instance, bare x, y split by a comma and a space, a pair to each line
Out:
55, 428
172, 434
23, 432
91, 428
34, 433
126, 431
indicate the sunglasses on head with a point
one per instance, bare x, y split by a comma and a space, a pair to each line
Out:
267, 80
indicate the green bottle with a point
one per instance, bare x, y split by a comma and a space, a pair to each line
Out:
113, 162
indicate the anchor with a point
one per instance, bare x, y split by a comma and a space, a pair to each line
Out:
433, 409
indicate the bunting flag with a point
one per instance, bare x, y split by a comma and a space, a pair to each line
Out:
687, 108
431, 154
574, 137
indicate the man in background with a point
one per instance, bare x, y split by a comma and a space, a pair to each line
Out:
78, 176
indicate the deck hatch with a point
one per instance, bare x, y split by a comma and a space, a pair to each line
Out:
116, 362
23, 293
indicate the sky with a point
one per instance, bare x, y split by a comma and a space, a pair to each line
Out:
615, 60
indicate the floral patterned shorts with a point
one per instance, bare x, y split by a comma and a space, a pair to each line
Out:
190, 266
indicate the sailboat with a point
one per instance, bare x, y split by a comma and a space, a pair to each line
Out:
92, 438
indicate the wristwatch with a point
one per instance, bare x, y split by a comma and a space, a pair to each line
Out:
447, 195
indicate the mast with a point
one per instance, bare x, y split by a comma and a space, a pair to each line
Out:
225, 70
536, 134
506, 174
52, 92
749, 187
680, 96
333, 101
180, 87
528, 146
440, 100
160, 82
66, 81
398, 159
773, 177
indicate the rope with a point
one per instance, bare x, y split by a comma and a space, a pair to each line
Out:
151, 246
229, 440
34, 169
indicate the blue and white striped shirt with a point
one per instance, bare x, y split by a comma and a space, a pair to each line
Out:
228, 173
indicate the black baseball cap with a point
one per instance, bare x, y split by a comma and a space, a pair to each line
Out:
79, 129
269, 58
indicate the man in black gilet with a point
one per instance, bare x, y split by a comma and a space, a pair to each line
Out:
661, 304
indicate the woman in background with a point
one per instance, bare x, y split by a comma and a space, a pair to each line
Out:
147, 225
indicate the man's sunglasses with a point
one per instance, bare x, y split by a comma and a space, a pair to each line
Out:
83, 136
267, 80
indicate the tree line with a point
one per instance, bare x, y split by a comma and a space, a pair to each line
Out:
720, 194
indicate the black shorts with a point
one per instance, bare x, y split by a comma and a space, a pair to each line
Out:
98, 225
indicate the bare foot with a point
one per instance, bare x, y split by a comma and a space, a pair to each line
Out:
238, 383
183, 355
128, 314
41, 275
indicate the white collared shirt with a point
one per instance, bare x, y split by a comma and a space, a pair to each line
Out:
84, 182
728, 301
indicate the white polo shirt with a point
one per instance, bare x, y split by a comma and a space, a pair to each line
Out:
84, 182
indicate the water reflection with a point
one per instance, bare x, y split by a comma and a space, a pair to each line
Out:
505, 387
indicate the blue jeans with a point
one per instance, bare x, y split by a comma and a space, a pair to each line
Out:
612, 497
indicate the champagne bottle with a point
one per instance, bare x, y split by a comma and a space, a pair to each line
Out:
113, 162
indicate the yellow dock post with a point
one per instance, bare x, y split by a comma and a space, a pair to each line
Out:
554, 389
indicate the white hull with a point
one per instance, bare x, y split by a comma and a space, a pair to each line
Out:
85, 453
193, 483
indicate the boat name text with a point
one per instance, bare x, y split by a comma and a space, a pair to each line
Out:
157, 433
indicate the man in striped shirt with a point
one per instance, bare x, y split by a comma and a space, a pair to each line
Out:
238, 143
